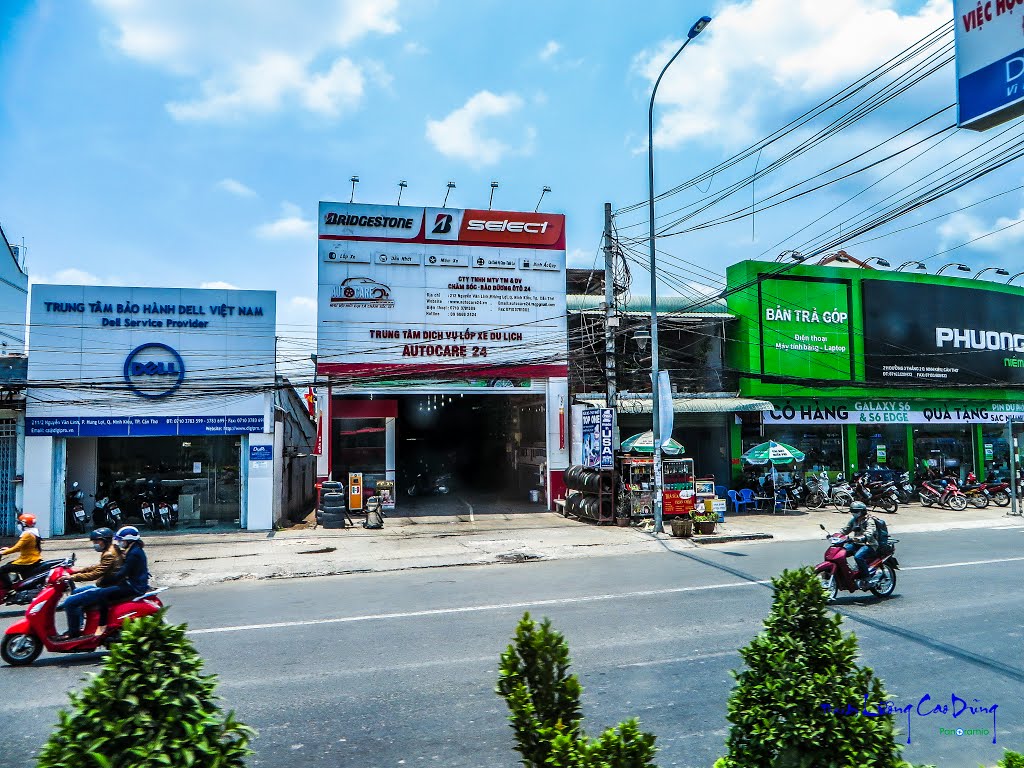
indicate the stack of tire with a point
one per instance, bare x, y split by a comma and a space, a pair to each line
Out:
332, 511
589, 486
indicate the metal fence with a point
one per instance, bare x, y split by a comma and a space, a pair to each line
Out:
8, 468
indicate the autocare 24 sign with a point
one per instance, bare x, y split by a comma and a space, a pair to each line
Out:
440, 292
989, 61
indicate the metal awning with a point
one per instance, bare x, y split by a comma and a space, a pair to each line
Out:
687, 404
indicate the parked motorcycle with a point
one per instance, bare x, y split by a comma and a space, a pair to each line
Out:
107, 512
975, 493
167, 513
428, 483
998, 491
30, 583
25, 640
949, 495
822, 492
77, 508
147, 508
835, 572
876, 494
906, 491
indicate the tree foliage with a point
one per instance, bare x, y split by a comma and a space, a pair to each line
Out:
800, 662
546, 716
149, 706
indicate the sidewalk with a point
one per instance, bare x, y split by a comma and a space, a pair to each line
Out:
192, 559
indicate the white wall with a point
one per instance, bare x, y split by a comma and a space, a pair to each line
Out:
13, 303
260, 494
38, 493
557, 454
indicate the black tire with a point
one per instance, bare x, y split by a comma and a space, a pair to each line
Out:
978, 500
888, 574
815, 500
926, 500
957, 502
828, 585
1001, 499
333, 521
332, 498
20, 650
888, 505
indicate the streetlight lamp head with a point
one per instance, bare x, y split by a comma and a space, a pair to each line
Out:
963, 268
1002, 272
698, 27
884, 263
641, 338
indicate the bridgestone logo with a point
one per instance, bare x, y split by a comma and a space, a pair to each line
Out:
390, 222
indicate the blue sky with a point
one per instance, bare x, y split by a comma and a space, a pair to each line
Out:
188, 143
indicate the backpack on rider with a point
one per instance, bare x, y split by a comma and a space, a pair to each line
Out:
882, 532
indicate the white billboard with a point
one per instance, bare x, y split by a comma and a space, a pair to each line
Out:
989, 62
126, 362
440, 293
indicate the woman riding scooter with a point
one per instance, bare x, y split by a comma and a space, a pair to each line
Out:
103, 572
28, 547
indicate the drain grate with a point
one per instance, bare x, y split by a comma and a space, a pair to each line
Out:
516, 557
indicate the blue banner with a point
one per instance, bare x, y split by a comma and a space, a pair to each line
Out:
141, 426
993, 87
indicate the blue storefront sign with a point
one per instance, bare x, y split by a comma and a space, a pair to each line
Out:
141, 426
261, 453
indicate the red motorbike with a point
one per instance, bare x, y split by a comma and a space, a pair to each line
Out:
29, 583
835, 572
25, 640
944, 492
998, 491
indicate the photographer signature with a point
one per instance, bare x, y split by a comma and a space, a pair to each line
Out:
924, 708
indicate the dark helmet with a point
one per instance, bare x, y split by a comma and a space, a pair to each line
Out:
858, 509
104, 534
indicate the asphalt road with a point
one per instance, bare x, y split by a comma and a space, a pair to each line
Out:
399, 668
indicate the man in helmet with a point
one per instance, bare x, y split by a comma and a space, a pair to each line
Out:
28, 547
132, 578
862, 539
103, 572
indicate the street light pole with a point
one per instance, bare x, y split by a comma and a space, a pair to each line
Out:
695, 30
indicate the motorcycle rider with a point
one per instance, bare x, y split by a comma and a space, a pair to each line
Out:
110, 562
132, 578
28, 547
862, 540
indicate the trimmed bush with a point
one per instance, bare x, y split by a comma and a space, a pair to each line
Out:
546, 717
800, 662
149, 706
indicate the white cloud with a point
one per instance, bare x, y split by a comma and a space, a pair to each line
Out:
235, 188
413, 48
70, 276
549, 50
761, 56
247, 57
994, 237
290, 225
304, 303
219, 285
461, 134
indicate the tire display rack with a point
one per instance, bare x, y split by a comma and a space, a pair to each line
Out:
590, 494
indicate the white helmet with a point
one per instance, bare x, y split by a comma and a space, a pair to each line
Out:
127, 533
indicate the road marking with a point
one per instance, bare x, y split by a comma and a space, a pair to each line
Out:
475, 608
961, 565
541, 603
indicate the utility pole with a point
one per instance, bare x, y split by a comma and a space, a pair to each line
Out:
610, 320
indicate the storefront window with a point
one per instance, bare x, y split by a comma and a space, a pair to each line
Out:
199, 474
946, 448
882, 446
821, 445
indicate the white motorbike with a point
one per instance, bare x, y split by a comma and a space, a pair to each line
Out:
822, 492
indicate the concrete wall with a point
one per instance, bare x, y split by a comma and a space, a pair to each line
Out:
39, 481
258, 514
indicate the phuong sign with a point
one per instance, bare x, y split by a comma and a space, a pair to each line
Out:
989, 61
440, 292
805, 327
953, 335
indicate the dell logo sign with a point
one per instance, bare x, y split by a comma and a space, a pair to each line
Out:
153, 370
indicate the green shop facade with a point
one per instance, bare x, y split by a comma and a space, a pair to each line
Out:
877, 370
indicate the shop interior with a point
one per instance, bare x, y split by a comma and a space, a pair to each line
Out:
200, 474
481, 448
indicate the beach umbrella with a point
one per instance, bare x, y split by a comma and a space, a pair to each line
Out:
773, 453
644, 443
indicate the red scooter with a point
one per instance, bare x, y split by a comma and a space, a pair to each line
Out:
30, 582
25, 640
836, 575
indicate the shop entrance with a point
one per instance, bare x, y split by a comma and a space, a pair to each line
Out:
200, 474
446, 451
